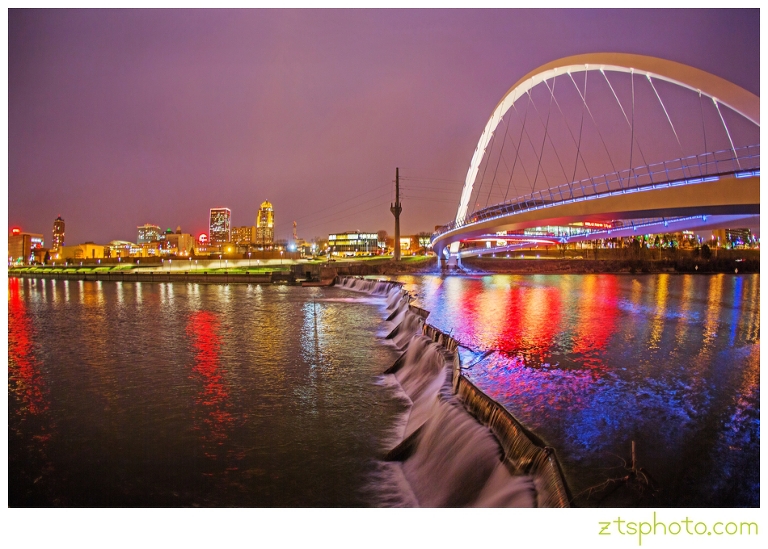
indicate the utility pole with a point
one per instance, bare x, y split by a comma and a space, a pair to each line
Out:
396, 208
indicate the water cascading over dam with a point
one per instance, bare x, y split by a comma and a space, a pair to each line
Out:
458, 447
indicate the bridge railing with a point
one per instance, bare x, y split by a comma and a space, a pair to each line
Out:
682, 171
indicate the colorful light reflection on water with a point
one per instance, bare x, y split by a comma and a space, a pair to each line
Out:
594, 362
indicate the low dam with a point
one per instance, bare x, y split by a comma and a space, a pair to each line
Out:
458, 446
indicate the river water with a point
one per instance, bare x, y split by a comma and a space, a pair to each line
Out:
130, 394
593, 362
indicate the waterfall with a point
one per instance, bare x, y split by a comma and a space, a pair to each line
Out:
459, 448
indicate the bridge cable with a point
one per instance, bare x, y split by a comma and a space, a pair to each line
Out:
533, 146
517, 156
584, 99
735, 156
520, 143
578, 146
632, 130
528, 135
682, 153
496, 171
630, 124
554, 149
573, 138
485, 169
704, 131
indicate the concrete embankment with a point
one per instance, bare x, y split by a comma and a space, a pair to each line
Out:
154, 276
587, 266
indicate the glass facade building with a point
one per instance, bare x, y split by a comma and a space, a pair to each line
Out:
220, 229
353, 243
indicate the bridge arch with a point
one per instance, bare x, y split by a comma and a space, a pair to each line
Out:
718, 89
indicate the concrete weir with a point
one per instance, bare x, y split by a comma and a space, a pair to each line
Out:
459, 447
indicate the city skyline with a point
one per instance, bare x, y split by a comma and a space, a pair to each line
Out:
124, 116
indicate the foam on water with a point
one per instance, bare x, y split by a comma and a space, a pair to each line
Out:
441, 456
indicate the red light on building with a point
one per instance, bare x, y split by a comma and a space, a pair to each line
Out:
202, 239
15, 231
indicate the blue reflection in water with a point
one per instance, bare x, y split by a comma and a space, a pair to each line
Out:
594, 362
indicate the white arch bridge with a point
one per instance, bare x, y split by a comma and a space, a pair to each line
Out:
627, 143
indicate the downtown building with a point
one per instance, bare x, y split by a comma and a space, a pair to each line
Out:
58, 234
243, 236
181, 244
353, 243
265, 226
219, 228
148, 233
22, 246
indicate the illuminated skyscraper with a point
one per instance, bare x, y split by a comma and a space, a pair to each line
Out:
58, 234
265, 225
220, 229
148, 233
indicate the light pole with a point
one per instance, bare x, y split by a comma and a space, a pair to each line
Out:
281, 257
219, 261
249, 260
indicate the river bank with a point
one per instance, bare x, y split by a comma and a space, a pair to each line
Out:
741, 262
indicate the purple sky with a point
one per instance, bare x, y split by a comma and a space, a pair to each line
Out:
120, 118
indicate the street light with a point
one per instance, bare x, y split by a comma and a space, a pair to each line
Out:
281, 257
249, 260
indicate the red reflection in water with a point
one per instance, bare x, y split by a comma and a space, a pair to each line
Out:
519, 320
597, 311
23, 371
531, 322
203, 330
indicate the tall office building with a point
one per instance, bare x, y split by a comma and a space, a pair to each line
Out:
244, 235
220, 228
58, 234
265, 225
148, 233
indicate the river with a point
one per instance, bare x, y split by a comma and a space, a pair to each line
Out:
593, 362
174, 394
138, 394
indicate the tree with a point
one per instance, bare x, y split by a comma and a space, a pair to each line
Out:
47, 258
706, 253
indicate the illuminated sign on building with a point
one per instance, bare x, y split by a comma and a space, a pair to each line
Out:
202, 239
219, 228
